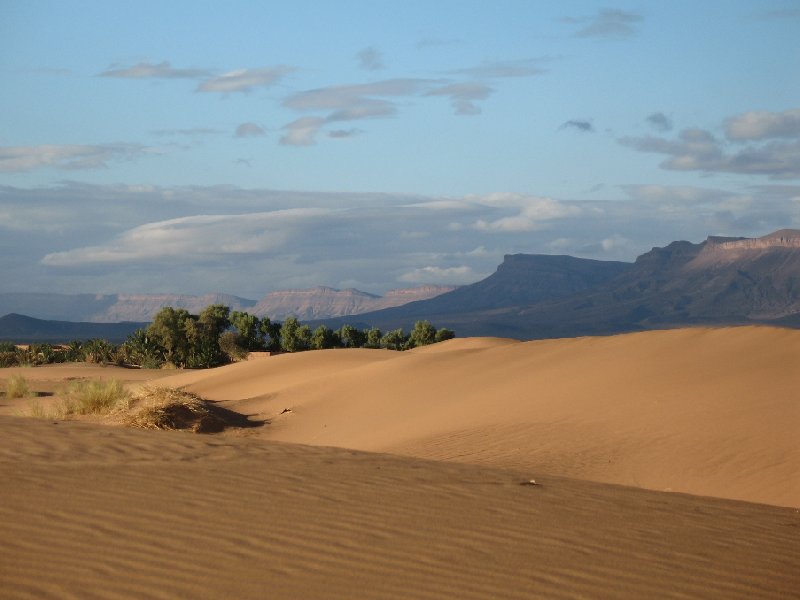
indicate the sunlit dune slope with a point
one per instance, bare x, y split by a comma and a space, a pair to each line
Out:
704, 411
90, 511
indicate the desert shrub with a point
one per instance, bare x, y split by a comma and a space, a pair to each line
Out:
95, 397
168, 408
44, 354
35, 409
8, 359
25, 356
17, 387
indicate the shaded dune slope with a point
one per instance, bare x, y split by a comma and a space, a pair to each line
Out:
704, 411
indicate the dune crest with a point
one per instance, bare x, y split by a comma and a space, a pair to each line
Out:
703, 411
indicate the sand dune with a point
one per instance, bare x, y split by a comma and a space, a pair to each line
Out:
99, 512
704, 411
93, 511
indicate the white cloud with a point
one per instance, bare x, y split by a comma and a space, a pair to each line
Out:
244, 80
162, 70
760, 125
700, 150
70, 156
249, 129
463, 96
526, 67
443, 275
614, 242
607, 23
345, 96
192, 239
302, 132
530, 212
109, 237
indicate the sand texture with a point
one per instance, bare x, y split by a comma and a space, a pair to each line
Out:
711, 412
403, 475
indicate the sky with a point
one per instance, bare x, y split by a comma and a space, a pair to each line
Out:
247, 147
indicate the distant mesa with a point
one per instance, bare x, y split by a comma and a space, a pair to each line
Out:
325, 302
721, 281
314, 303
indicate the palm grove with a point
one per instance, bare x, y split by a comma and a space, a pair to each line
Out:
217, 336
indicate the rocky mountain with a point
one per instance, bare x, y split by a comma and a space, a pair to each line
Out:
142, 307
323, 302
315, 303
719, 281
109, 308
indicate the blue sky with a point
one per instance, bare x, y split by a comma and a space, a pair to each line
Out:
196, 147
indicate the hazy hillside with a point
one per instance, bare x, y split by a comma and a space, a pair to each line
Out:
314, 303
22, 329
109, 308
719, 281
322, 302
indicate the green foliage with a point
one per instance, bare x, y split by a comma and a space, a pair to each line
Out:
233, 346
394, 340
352, 337
142, 350
324, 338
373, 338
271, 334
98, 351
422, 334
294, 337
47, 354
169, 331
443, 334
249, 329
177, 339
74, 351
215, 319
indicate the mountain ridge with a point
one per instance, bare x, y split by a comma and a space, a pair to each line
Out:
117, 308
749, 280
720, 281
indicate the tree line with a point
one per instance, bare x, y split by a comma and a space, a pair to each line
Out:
215, 337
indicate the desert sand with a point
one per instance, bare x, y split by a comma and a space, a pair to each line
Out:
667, 464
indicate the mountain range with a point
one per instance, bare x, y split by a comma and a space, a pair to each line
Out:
315, 303
721, 281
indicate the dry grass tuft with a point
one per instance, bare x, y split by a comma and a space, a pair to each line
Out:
96, 397
168, 408
17, 387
